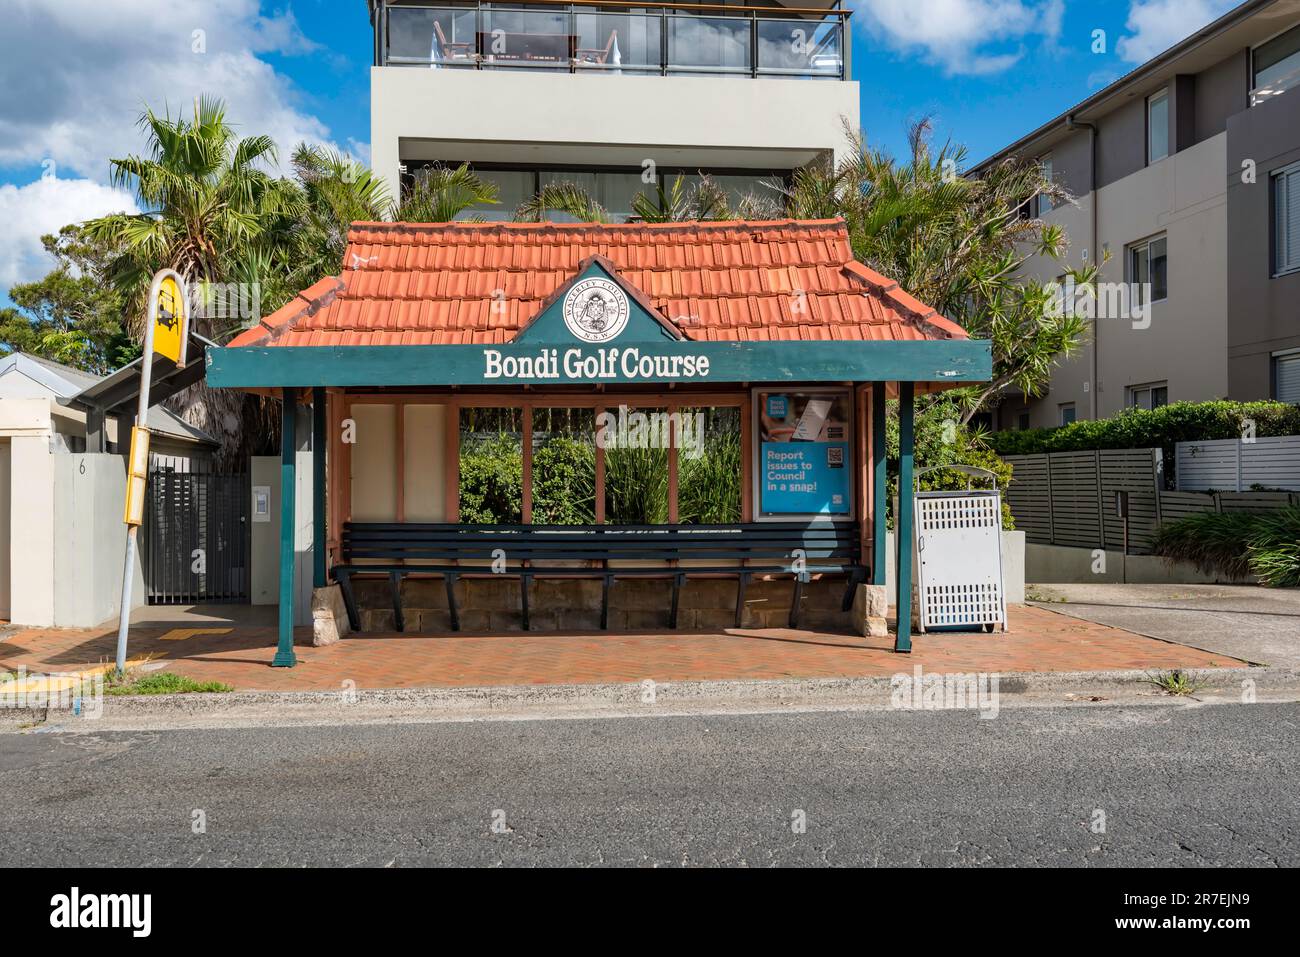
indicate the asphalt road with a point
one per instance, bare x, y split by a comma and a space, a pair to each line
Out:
1177, 785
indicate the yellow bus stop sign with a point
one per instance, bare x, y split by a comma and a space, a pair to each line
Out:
170, 321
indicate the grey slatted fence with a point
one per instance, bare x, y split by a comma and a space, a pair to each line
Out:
1254, 501
1175, 505
1138, 472
1236, 465
1076, 499
1029, 497
1068, 498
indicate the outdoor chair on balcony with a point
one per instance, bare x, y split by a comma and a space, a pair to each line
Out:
594, 56
444, 51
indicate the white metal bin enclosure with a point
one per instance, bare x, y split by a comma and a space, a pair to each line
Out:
959, 559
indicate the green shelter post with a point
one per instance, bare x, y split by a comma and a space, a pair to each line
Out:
905, 518
318, 487
284, 656
879, 483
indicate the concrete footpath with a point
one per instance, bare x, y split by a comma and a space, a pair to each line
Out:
1250, 623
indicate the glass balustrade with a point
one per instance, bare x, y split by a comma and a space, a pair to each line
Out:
616, 41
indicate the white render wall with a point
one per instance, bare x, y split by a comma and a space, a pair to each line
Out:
90, 540
264, 558
66, 535
538, 117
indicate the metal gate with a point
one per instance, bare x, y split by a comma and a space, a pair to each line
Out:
195, 544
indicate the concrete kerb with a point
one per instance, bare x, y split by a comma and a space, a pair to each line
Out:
416, 705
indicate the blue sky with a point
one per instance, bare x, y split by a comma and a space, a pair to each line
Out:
985, 71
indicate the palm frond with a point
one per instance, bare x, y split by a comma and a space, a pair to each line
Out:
566, 198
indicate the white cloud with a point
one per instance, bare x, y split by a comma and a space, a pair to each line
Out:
965, 36
46, 206
77, 74
1156, 25
359, 149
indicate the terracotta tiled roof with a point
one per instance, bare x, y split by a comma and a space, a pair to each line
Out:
437, 283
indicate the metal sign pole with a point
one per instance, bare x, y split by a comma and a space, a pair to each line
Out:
134, 493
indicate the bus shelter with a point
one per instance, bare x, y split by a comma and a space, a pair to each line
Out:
572, 407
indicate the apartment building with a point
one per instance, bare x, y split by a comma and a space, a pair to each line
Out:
1186, 178
616, 98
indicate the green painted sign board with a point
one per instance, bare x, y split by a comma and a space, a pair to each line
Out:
599, 331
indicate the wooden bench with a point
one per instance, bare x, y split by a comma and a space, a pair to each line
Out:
607, 552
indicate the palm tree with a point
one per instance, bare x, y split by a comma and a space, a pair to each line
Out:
705, 201
563, 197
338, 191
956, 243
214, 214
439, 194
677, 204
206, 197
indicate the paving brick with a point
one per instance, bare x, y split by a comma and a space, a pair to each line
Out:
1041, 640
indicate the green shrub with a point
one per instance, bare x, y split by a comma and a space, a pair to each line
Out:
1237, 544
1274, 547
1159, 428
492, 481
708, 487
636, 486
564, 482
1214, 542
941, 439
160, 682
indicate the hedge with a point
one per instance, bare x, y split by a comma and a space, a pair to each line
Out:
564, 482
1155, 428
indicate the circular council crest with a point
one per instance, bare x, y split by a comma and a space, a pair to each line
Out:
595, 310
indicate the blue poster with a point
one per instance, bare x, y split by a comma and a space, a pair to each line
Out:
805, 478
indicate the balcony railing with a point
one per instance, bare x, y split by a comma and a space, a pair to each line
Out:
667, 39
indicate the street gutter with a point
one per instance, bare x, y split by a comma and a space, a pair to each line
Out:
635, 699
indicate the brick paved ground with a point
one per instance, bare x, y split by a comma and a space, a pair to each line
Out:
1040, 640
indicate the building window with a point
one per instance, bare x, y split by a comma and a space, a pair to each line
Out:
1067, 413
1045, 201
613, 188
1151, 395
1149, 269
1275, 66
1158, 126
1286, 376
1286, 220
1022, 421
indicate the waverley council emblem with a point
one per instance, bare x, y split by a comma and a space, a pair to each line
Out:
595, 310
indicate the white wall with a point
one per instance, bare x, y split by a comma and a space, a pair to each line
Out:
31, 531
90, 540
536, 117
264, 565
